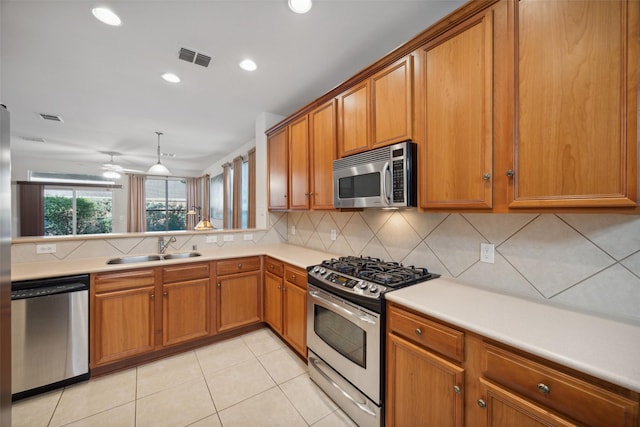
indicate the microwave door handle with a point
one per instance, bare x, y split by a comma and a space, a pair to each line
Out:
339, 307
386, 171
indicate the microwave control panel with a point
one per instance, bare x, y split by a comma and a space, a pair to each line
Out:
398, 181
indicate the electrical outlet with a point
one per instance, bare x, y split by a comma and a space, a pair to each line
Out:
212, 239
293, 230
46, 249
248, 237
333, 234
487, 253
228, 237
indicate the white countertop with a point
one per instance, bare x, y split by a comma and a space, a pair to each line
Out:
601, 347
295, 255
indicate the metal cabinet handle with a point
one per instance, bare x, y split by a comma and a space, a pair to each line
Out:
165, 294
293, 277
270, 266
279, 287
510, 173
482, 403
456, 389
240, 266
152, 296
544, 389
418, 331
486, 176
309, 194
219, 285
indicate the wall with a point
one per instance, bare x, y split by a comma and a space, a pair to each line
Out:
585, 261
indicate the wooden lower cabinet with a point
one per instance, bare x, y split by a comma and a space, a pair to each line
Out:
273, 301
185, 311
295, 317
239, 302
123, 315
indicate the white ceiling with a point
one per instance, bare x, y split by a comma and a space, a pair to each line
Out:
105, 81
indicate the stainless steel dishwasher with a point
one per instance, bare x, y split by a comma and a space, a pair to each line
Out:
49, 334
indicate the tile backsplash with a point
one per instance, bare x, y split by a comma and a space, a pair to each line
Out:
586, 261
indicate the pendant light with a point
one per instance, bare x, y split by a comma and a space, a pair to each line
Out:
158, 168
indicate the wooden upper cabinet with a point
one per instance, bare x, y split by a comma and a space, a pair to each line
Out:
323, 132
577, 83
278, 169
392, 101
455, 112
299, 164
354, 122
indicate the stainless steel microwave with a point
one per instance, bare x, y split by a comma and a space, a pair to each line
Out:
380, 178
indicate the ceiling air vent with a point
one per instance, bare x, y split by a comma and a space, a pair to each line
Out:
194, 57
51, 117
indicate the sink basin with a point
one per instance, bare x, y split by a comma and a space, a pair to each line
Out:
182, 255
134, 258
147, 258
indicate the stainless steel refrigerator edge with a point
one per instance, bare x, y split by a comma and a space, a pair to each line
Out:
5, 269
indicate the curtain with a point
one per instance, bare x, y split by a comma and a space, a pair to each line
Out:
226, 176
237, 192
205, 191
136, 215
192, 202
252, 188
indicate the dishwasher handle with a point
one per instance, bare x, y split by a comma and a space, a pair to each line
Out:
43, 291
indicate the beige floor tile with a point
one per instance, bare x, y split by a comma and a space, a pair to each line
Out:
235, 384
97, 395
282, 365
167, 373
35, 411
308, 399
177, 406
120, 416
336, 419
223, 355
269, 409
262, 341
210, 421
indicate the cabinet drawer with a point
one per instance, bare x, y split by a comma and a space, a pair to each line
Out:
238, 265
295, 275
184, 272
573, 397
442, 339
127, 279
274, 266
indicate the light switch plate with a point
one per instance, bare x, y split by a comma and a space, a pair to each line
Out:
248, 237
333, 234
293, 230
228, 237
212, 239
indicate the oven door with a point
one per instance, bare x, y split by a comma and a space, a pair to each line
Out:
347, 338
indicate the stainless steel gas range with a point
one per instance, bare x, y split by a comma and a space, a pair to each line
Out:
345, 330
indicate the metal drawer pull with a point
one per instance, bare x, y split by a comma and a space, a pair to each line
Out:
456, 389
482, 403
240, 266
543, 388
486, 176
418, 331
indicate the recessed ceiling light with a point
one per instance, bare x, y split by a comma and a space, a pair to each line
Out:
300, 6
106, 16
171, 78
248, 65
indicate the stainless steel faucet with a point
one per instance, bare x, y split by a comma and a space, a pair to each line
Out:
162, 245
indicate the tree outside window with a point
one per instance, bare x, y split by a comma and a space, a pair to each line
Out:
71, 211
165, 204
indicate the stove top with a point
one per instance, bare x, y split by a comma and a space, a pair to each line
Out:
365, 279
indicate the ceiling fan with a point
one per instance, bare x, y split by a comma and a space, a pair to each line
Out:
113, 170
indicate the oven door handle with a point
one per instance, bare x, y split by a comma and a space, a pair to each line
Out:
362, 405
317, 296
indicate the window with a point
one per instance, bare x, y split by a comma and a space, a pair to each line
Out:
165, 204
244, 196
217, 198
71, 211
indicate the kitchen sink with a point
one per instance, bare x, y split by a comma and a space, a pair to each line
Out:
147, 258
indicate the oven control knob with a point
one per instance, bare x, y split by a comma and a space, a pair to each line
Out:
322, 270
363, 285
316, 269
373, 289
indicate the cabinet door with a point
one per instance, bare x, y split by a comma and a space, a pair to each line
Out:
238, 300
577, 82
353, 116
273, 301
421, 387
299, 164
392, 100
278, 169
185, 311
124, 324
505, 409
295, 317
456, 79
322, 122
